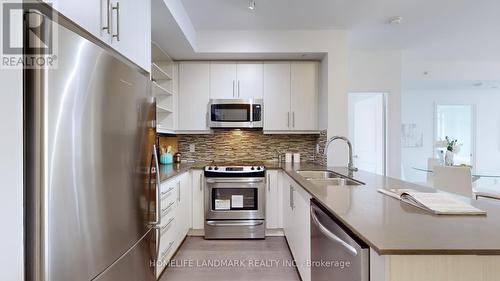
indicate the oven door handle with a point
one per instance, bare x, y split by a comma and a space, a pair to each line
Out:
234, 180
235, 223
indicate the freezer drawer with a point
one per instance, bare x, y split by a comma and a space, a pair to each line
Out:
335, 254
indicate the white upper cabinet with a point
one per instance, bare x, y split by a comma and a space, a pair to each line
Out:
304, 96
194, 85
114, 22
277, 96
222, 80
131, 24
231, 80
249, 82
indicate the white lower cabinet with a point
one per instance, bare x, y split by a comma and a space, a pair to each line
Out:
198, 211
273, 200
175, 217
296, 224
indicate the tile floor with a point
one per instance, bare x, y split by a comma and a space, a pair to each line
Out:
235, 260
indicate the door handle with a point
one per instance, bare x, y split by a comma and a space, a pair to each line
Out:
236, 223
268, 184
201, 182
233, 88
117, 9
157, 220
234, 180
330, 235
179, 193
288, 119
293, 119
238, 88
291, 197
107, 17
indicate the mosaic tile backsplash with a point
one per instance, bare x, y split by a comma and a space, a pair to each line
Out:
251, 146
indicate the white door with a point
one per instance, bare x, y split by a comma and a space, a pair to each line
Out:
304, 96
194, 85
250, 82
223, 80
367, 131
277, 96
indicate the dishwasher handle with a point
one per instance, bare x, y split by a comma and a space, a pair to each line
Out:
329, 234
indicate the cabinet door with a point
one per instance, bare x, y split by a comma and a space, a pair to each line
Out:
90, 15
134, 35
287, 209
302, 231
272, 200
277, 96
186, 199
198, 210
304, 96
194, 85
222, 80
250, 80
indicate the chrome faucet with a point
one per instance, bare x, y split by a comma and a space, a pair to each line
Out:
350, 165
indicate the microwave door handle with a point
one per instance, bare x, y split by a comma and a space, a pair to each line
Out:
330, 235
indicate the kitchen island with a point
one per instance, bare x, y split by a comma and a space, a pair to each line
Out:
407, 243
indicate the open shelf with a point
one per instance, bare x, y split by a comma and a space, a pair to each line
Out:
159, 90
158, 73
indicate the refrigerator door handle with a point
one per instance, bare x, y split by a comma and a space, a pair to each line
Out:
157, 220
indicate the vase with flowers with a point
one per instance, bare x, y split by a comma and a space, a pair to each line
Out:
452, 147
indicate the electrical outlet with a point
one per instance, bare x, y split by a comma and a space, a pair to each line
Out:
192, 147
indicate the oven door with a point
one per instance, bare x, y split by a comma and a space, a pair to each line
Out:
235, 199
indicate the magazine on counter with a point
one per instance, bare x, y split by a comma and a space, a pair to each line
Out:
438, 203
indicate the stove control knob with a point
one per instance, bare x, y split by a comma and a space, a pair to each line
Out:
209, 168
252, 168
259, 168
216, 168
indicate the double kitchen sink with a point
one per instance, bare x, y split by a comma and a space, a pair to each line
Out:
321, 177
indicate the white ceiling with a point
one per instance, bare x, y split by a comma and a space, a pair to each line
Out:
445, 29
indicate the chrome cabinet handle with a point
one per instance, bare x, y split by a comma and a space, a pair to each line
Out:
201, 182
288, 119
179, 193
291, 197
293, 119
329, 234
166, 191
117, 8
107, 17
166, 208
157, 220
233, 88
238, 88
268, 184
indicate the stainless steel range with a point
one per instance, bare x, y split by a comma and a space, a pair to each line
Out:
235, 202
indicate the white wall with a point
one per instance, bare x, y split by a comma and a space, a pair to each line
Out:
418, 107
380, 71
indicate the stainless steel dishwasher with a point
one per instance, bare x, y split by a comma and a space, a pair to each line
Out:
335, 254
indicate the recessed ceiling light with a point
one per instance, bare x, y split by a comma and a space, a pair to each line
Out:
251, 5
395, 20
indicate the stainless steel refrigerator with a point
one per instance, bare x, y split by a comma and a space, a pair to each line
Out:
89, 167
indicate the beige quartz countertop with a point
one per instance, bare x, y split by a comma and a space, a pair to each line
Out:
387, 225
392, 227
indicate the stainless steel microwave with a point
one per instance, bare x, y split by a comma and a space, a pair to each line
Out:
235, 113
